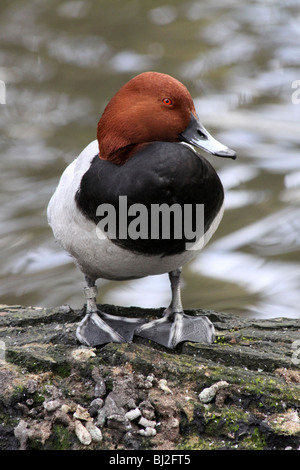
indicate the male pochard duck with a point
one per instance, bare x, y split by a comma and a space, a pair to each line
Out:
144, 155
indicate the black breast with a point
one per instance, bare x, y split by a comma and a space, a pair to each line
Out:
161, 173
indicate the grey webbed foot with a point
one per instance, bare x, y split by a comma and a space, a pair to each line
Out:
93, 331
99, 328
175, 328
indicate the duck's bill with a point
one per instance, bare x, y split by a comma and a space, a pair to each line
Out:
196, 134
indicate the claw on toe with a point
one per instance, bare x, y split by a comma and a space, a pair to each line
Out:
175, 328
93, 331
99, 328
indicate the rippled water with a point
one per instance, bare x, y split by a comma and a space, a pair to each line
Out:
61, 61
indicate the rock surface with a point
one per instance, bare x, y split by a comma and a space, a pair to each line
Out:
56, 394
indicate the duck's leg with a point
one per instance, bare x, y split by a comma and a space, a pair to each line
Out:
98, 327
175, 327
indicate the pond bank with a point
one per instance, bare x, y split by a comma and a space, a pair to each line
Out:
242, 392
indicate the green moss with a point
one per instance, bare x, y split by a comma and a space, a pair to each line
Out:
7, 420
37, 360
18, 392
60, 439
225, 422
248, 339
223, 340
256, 441
62, 369
38, 399
226, 428
273, 394
34, 444
195, 442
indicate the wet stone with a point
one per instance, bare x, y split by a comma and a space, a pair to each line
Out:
100, 388
147, 423
81, 413
119, 422
111, 408
124, 392
148, 432
95, 406
131, 442
133, 414
82, 433
52, 405
32, 386
65, 408
147, 409
62, 418
209, 393
163, 385
21, 433
101, 418
94, 431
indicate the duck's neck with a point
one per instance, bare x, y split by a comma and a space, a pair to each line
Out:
121, 155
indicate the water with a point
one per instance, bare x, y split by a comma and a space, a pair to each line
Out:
61, 61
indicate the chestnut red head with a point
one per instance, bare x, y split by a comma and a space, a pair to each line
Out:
150, 107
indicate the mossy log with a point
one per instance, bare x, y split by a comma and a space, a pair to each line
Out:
241, 392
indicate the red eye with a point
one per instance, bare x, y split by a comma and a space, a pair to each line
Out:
167, 101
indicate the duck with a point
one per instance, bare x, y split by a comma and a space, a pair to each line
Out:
141, 200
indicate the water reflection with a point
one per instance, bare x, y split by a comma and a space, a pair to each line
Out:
61, 61
260, 272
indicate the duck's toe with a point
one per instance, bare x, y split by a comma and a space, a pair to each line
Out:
175, 328
100, 328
